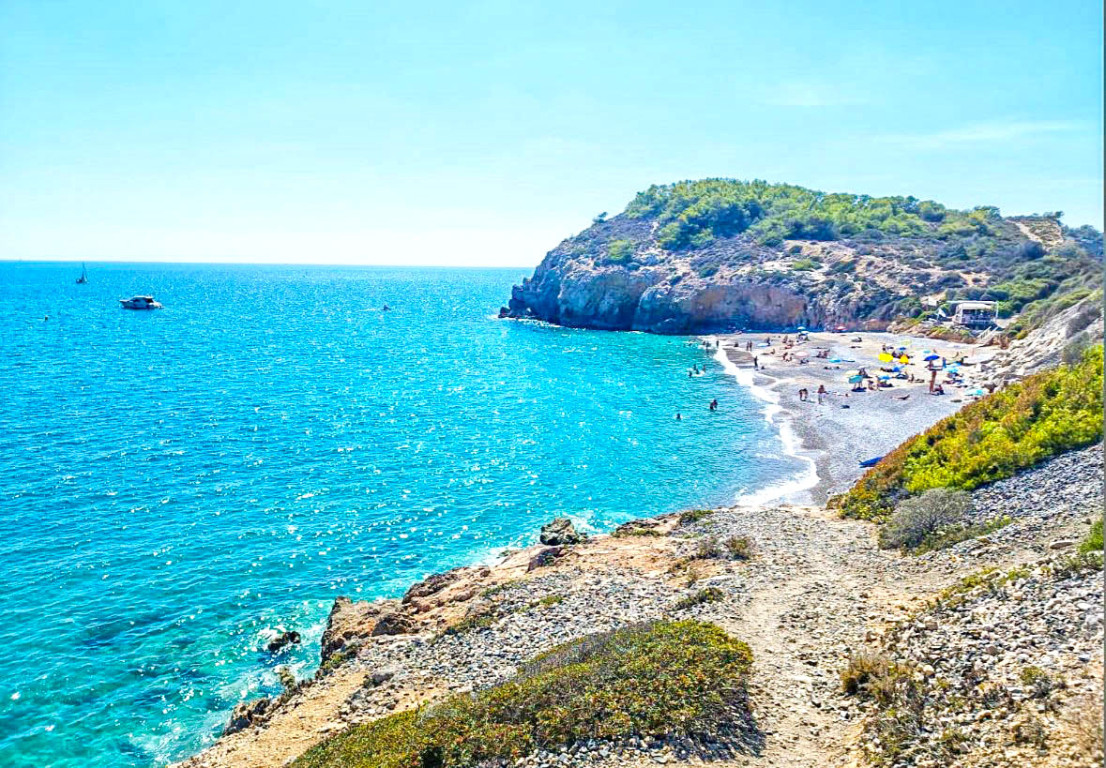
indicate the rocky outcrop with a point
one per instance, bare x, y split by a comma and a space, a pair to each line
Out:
350, 622
660, 299
763, 270
394, 623
1066, 332
248, 714
560, 532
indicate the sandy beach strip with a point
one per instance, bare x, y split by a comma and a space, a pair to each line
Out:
847, 427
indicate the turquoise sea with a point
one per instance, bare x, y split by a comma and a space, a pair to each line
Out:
178, 485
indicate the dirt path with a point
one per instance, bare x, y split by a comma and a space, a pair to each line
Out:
817, 589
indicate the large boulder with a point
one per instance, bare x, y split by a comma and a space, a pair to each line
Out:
560, 533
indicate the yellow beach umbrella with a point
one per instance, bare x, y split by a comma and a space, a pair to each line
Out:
885, 357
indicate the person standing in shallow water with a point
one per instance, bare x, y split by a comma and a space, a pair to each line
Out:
714, 404
679, 417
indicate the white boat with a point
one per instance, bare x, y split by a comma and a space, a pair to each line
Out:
140, 302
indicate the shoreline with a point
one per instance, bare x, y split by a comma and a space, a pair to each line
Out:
804, 433
815, 586
800, 487
835, 436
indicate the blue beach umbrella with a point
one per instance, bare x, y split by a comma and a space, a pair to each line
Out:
932, 357
855, 378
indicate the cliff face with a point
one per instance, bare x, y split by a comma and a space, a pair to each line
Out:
664, 294
723, 255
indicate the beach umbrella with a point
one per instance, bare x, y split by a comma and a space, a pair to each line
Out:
932, 357
856, 377
904, 360
885, 377
884, 357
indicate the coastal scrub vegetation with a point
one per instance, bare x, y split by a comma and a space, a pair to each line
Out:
918, 519
993, 438
703, 596
1093, 542
1033, 265
662, 678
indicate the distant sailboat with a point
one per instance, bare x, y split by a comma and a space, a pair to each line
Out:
84, 275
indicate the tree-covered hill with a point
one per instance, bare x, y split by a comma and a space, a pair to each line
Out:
717, 253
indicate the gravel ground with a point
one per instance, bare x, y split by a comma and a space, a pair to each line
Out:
816, 591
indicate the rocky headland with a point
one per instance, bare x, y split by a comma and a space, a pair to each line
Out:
719, 254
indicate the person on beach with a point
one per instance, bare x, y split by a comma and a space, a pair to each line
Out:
821, 393
756, 364
802, 395
748, 346
714, 405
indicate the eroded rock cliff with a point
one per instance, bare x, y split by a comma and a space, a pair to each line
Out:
721, 255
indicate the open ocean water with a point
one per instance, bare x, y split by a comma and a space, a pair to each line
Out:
177, 486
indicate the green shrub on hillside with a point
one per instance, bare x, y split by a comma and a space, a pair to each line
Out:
922, 517
1043, 415
1093, 542
693, 213
1020, 273
665, 678
620, 251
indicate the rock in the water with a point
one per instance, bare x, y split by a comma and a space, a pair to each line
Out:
283, 640
559, 533
247, 714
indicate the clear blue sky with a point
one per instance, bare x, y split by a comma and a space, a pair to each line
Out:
484, 132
